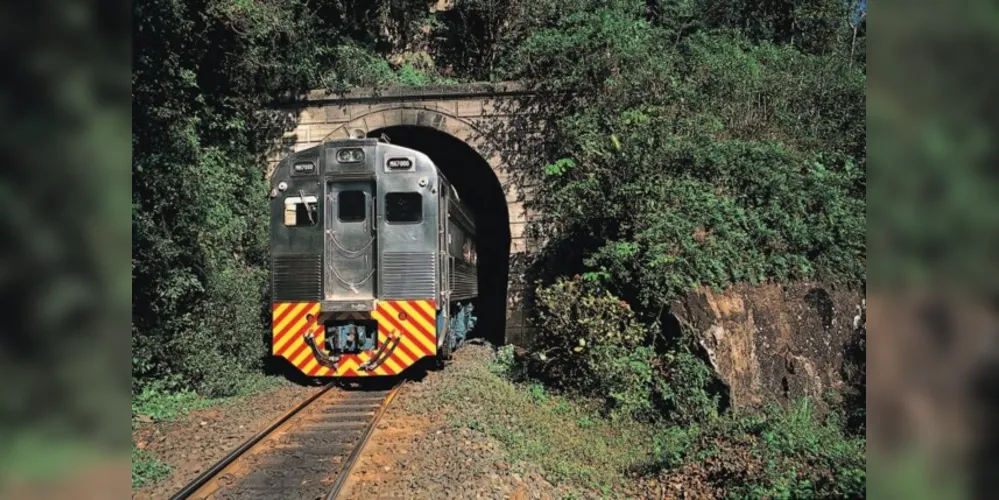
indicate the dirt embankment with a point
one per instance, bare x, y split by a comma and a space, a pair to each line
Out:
774, 342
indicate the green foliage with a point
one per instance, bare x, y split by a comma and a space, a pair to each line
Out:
673, 445
560, 167
358, 66
146, 468
205, 76
801, 456
589, 342
777, 453
722, 143
161, 406
716, 155
683, 388
505, 362
202, 77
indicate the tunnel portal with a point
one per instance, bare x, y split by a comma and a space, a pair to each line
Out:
473, 132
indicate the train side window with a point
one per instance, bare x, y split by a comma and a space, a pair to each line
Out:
301, 212
403, 207
351, 206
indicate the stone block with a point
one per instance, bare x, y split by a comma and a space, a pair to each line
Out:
517, 229
299, 133
319, 132
409, 116
301, 146
516, 212
519, 336
311, 115
338, 113
468, 107
518, 245
515, 318
338, 133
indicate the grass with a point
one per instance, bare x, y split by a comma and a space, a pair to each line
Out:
776, 453
146, 469
162, 406
569, 440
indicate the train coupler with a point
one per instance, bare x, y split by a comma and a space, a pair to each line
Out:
322, 357
383, 354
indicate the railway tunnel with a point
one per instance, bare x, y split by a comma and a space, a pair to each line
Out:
478, 186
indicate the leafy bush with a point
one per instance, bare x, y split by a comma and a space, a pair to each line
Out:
588, 341
202, 77
505, 362
716, 156
683, 388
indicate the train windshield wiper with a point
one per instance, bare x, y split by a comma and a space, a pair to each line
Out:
308, 209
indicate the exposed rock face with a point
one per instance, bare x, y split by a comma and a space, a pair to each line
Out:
773, 342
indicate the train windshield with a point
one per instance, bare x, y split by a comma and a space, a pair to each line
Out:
403, 207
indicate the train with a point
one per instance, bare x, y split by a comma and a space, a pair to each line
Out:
373, 260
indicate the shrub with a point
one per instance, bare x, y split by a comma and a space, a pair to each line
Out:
589, 342
683, 388
505, 362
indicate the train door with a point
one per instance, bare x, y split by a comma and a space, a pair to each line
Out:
350, 240
444, 262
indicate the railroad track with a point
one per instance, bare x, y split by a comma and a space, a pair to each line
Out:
307, 453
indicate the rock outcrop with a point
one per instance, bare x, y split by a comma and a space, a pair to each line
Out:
774, 342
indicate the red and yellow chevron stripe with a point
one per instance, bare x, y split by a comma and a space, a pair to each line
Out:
414, 320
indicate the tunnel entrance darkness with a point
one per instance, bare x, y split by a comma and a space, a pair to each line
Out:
479, 188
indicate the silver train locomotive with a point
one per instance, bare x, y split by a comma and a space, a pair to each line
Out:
373, 260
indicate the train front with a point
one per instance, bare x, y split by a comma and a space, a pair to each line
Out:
354, 248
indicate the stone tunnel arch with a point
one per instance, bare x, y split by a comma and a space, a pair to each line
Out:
476, 168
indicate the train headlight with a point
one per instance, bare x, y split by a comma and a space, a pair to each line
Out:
350, 155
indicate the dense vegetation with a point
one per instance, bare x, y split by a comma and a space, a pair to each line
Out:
702, 144
203, 76
692, 142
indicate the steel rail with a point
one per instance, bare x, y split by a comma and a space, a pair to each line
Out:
207, 476
348, 465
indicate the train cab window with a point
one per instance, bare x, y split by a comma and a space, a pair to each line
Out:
403, 207
351, 206
300, 211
